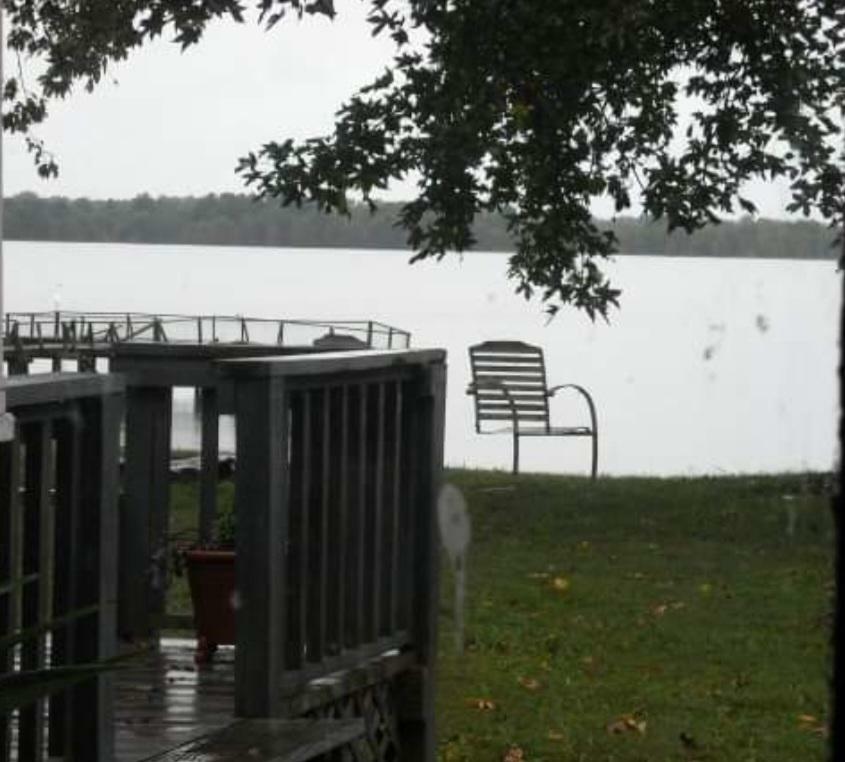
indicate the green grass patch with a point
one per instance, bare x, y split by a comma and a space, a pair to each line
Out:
634, 619
640, 619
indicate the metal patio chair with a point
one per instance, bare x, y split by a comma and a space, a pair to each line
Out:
509, 384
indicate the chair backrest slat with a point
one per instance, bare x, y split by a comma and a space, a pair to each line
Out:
521, 369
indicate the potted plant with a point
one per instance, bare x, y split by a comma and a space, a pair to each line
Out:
211, 578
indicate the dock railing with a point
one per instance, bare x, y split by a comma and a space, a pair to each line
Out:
58, 558
339, 461
65, 332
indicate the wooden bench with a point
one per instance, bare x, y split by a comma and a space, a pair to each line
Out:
268, 741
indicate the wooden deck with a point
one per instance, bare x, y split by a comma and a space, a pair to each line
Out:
163, 699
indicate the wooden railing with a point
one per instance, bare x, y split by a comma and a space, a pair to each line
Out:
78, 331
58, 558
339, 458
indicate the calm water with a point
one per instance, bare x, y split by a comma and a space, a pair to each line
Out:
710, 366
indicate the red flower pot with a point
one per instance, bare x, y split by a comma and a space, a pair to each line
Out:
211, 578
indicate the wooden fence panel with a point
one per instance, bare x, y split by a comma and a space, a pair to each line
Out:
58, 563
349, 506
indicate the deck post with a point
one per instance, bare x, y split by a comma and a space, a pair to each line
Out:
210, 457
262, 514
144, 517
416, 688
95, 637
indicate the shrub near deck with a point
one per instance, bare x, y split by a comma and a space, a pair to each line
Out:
640, 619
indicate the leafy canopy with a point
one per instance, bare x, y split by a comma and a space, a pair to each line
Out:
531, 109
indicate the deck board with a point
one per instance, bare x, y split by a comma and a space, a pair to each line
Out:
163, 700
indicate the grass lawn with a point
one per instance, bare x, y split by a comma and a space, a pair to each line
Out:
635, 619
641, 619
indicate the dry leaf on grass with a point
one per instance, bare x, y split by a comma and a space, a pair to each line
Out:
529, 683
812, 724
482, 704
627, 723
555, 735
561, 584
514, 754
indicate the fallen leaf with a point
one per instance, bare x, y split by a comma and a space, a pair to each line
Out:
561, 584
812, 724
627, 723
514, 754
482, 704
659, 610
554, 735
529, 683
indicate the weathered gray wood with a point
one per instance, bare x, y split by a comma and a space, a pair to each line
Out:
298, 532
416, 688
269, 741
336, 425
68, 433
331, 362
145, 512
314, 577
46, 388
377, 529
9, 571
392, 570
36, 563
318, 537
95, 636
210, 455
357, 448
262, 509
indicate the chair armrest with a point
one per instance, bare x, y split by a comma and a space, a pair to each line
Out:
585, 394
499, 386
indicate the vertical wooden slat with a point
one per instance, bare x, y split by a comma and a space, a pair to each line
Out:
210, 457
313, 538
385, 525
95, 570
262, 510
336, 475
393, 573
353, 499
68, 494
295, 641
37, 483
408, 452
9, 565
377, 537
144, 519
317, 412
370, 510
303, 538
360, 596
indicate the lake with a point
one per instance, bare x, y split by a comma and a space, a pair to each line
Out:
710, 366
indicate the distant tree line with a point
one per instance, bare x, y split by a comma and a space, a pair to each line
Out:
231, 219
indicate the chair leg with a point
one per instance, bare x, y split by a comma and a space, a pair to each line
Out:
515, 452
595, 439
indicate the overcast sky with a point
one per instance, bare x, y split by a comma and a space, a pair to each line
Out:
172, 123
